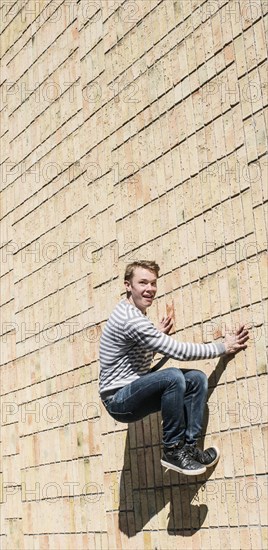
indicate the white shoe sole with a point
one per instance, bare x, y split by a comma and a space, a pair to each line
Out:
170, 466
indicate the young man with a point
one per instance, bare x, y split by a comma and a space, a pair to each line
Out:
130, 391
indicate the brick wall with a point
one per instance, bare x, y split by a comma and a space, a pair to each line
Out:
130, 129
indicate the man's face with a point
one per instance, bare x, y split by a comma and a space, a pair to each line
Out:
143, 287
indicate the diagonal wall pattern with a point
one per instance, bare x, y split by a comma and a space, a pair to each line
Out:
130, 129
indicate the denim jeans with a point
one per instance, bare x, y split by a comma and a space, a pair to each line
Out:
180, 394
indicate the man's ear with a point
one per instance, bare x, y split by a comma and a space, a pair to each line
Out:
127, 285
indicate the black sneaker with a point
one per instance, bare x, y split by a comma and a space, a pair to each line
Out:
177, 458
208, 457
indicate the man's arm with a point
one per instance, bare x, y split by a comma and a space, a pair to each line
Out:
233, 344
146, 334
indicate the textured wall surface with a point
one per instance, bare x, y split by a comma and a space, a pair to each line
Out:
130, 129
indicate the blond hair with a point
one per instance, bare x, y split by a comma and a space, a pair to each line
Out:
146, 264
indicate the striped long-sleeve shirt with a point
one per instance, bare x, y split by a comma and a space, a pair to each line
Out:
128, 343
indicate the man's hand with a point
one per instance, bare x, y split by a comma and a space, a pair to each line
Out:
165, 324
237, 341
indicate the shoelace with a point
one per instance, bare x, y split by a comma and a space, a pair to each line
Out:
183, 455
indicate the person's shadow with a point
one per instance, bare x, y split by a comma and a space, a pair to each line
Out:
151, 496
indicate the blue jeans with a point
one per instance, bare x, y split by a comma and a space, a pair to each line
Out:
180, 394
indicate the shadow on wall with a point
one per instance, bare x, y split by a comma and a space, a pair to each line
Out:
147, 491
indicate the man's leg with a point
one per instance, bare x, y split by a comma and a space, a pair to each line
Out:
162, 390
165, 391
195, 400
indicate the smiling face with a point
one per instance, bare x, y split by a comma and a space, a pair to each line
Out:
142, 288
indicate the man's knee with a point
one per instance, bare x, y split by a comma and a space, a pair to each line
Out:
200, 377
203, 378
175, 375
197, 378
